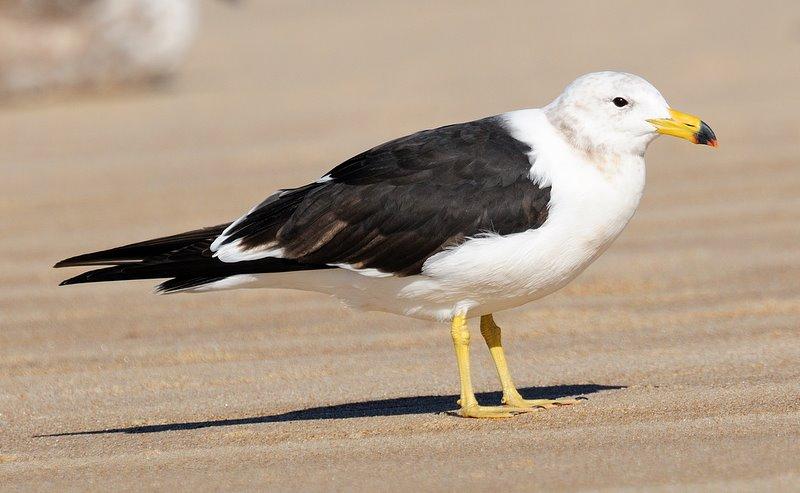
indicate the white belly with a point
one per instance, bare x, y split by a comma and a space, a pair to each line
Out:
519, 268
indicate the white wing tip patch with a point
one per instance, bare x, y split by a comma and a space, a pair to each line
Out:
219, 240
233, 252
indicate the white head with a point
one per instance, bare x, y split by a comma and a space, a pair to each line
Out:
618, 113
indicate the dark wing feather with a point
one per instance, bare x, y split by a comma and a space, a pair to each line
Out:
392, 207
184, 257
135, 252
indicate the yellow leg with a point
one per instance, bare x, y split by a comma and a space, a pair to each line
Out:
491, 334
469, 404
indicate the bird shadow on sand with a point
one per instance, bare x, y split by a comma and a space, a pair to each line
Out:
428, 404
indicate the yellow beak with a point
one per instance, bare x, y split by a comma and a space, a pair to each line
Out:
685, 126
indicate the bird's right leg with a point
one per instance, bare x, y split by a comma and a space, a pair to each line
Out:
469, 404
511, 396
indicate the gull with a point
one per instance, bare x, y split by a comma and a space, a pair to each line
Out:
447, 224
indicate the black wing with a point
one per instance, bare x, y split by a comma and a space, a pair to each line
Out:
392, 207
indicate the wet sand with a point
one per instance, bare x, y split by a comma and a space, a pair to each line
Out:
683, 337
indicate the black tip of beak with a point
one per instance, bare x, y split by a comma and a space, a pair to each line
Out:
706, 136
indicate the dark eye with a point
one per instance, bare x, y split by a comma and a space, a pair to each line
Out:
620, 102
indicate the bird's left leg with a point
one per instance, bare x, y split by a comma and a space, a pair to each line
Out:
511, 396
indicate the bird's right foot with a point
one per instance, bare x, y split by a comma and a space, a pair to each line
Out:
518, 401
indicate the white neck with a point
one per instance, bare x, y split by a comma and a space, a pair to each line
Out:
591, 200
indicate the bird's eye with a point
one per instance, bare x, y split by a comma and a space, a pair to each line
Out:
620, 102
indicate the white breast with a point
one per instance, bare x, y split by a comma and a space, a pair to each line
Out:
590, 205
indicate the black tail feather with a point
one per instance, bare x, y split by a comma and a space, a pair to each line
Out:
183, 258
143, 249
132, 271
181, 283
188, 274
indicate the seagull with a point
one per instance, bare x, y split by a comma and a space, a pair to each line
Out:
447, 224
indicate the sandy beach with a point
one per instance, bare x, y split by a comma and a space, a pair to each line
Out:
684, 337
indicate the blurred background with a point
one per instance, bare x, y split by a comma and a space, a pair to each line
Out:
122, 120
